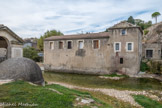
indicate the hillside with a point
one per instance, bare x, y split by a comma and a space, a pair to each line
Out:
154, 34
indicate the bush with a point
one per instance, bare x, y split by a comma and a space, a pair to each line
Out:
156, 67
144, 67
145, 32
31, 53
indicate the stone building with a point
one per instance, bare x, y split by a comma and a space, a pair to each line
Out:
30, 42
10, 44
117, 51
152, 46
152, 51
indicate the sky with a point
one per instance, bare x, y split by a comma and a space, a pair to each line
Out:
32, 18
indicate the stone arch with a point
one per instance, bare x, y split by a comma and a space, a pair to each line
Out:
4, 48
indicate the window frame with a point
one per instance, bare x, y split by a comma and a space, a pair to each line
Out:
121, 60
59, 45
121, 32
71, 44
98, 44
132, 49
146, 53
79, 44
50, 45
115, 47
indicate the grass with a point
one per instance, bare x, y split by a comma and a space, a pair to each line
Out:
115, 75
92, 81
147, 102
23, 92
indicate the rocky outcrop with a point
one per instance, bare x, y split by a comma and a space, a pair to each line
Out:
21, 68
154, 34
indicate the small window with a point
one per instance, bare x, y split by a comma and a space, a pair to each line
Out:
60, 45
121, 60
129, 46
117, 46
95, 44
51, 45
123, 32
81, 44
159, 51
149, 53
69, 45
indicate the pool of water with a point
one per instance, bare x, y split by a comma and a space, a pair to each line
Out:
96, 82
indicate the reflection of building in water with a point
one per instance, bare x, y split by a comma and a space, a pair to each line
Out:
10, 44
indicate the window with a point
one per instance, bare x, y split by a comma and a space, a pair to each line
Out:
149, 53
123, 32
129, 46
95, 44
51, 45
121, 60
69, 45
81, 44
60, 45
117, 46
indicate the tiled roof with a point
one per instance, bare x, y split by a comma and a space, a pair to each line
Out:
80, 36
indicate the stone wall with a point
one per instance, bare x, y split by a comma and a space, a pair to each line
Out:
104, 60
8, 44
155, 47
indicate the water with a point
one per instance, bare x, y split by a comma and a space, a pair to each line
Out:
96, 82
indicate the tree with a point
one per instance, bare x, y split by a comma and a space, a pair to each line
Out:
32, 53
46, 35
143, 24
155, 15
131, 20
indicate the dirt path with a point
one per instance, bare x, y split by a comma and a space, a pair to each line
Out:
124, 95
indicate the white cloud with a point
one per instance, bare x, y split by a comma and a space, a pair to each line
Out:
31, 18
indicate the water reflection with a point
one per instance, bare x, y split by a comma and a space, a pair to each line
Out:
95, 81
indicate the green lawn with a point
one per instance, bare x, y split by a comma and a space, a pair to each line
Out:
146, 102
23, 92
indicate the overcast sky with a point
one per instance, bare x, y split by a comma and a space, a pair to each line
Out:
31, 18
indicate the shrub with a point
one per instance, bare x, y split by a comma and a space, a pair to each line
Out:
145, 32
31, 53
156, 67
144, 67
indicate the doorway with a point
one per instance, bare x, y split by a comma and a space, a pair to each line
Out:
3, 49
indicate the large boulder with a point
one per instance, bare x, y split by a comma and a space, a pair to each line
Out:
21, 68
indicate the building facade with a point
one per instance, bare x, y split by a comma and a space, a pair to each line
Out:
117, 51
10, 44
152, 51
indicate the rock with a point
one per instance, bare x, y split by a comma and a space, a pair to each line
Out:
87, 101
21, 69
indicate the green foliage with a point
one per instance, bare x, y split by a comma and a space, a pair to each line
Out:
131, 20
145, 32
155, 67
147, 102
46, 35
155, 15
144, 67
143, 24
32, 53
23, 92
